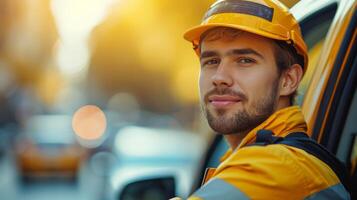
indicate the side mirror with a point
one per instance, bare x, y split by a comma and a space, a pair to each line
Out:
158, 189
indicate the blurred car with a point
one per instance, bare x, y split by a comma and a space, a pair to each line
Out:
48, 148
159, 162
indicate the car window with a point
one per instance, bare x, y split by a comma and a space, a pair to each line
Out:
347, 147
314, 29
348, 143
339, 80
220, 150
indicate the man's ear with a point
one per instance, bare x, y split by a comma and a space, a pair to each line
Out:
290, 79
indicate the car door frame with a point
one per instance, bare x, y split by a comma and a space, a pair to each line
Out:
339, 82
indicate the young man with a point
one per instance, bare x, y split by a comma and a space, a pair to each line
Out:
253, 58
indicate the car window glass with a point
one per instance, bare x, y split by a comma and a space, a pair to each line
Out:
348, 145
347, 148
314, 30
353, 157
220, 150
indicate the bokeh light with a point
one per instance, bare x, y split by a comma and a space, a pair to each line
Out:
89, 122
75, 20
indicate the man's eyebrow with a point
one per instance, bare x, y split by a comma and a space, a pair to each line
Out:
245, 51
207, 54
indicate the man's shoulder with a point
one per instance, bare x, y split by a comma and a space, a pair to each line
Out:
282, 167
273, 155
275, 160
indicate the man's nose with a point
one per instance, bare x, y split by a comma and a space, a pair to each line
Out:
222, 76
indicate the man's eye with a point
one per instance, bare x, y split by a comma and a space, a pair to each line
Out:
210, 62
246, 61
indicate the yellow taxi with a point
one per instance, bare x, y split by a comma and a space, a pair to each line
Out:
48, 148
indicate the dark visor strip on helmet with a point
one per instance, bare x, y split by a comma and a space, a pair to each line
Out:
243, 7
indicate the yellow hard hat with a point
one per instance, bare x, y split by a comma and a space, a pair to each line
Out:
268, 18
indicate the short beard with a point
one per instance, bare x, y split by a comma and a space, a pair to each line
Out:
243, 121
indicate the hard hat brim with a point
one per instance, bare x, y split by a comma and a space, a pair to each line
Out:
194, 34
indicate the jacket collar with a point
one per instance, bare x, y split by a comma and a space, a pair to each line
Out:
281, 123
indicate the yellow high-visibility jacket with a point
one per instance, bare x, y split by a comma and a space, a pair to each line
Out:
273, 171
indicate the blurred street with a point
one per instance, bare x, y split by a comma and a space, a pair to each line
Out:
73, 74
88, 186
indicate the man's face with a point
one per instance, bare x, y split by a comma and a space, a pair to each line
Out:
239, 82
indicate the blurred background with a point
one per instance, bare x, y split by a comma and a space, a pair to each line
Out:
98, 95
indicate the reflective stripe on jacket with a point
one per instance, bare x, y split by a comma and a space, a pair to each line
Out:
273, 171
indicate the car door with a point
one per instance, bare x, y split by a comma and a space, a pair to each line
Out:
331, 100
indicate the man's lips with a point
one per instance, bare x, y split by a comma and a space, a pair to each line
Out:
223, 100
